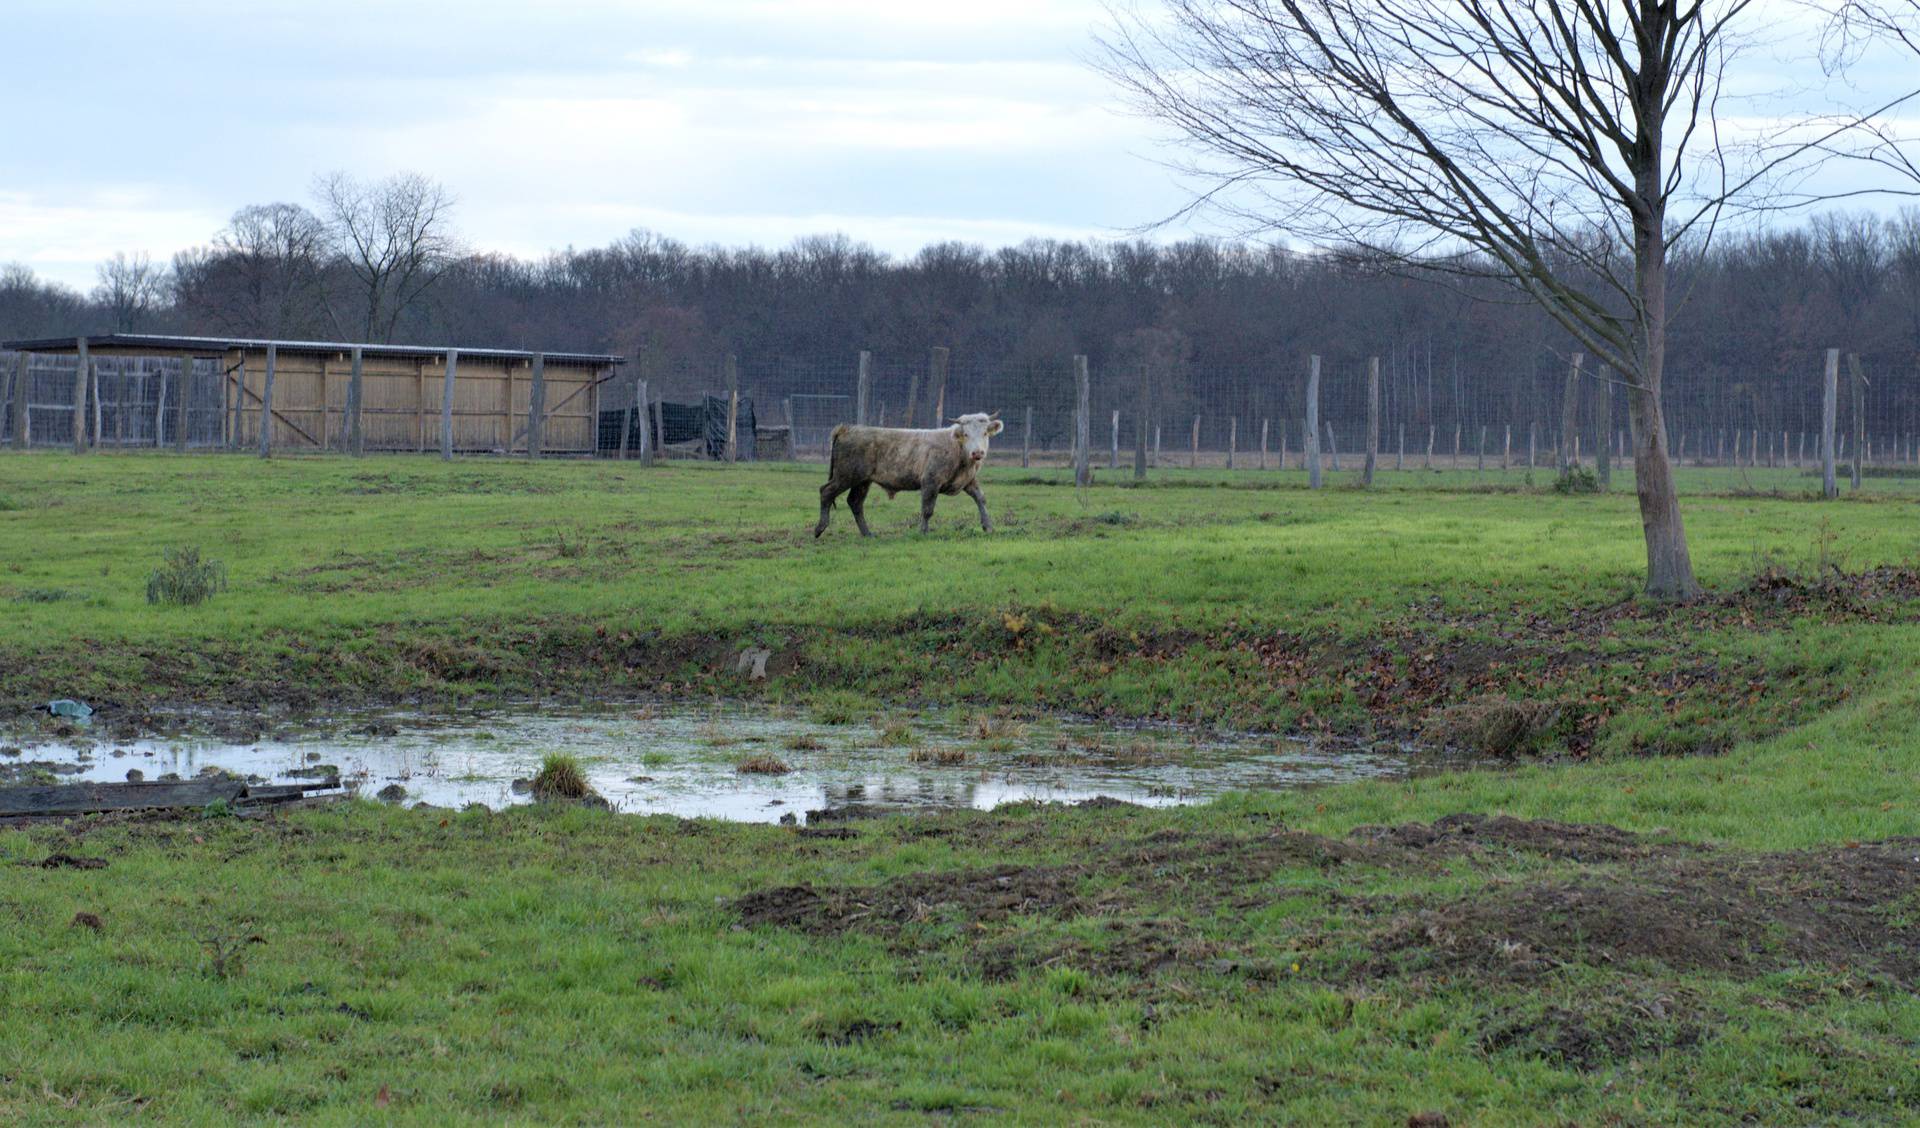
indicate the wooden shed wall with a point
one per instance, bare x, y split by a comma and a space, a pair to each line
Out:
401, 399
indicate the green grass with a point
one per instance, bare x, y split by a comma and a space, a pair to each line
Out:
1206, 964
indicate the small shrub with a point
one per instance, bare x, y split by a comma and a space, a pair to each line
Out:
185, 579
7, 504
1496, 726
560, 777
762, 764
1576, 480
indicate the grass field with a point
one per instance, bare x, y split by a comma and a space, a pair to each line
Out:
1689, 895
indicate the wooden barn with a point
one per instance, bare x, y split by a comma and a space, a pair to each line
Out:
132, 394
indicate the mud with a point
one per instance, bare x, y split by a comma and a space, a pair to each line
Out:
1601, 898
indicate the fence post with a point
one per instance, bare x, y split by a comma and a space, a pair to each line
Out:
1282, 464
1753, 449
1140, 427
1233, 438
179, 408
356, 435
537, 406
99, 432
1829, 413
1113, 461
80, 398
1263, 444
1859, 415
938, 375
646, 430
1373, 421
1311, 449
1603, 430
860, 385
1333, 447
1431, 432
1456, 446
1193, 460
1400, 453
1026, 441
446, 404
266, 402
659, 434
913, 394
1156, 446
733, 408
1533, 443
1506, 449
22, 424
1570, 414
1480, 451
1082, 422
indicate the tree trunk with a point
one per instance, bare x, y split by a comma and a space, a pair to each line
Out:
1669, 565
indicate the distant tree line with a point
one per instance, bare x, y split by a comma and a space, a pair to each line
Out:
1225, 327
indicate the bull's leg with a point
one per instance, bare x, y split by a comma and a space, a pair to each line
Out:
828, 494
857, 501
927, 494
980, 499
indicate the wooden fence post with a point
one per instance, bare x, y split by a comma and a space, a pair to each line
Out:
1506, 449
1333, 447
1113, 461
1026, 441
1233, 438
1533, 444
733, 408
1144, 417
1193, 460
938, 374
1082, 422
1432, 431
1829, 415
80, 372
862, 380
446, 404
266, 402
356, 401
1480, 451
1373, 421
1312, 428
1156, 446
659, 433
179, 408
1570, 414
1603, 429
537, 407
1263, 443
1400, 451
1859, 415
22, 424
646, 428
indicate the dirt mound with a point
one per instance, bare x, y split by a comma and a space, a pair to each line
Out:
1580, 842
1737, 915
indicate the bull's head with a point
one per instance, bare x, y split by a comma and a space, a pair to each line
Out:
972, 433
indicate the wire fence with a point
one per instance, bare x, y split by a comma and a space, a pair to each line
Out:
1167, 414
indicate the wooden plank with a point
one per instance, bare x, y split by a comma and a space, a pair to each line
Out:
80, 798
356, 393
1082, 421
536, 408
446, 404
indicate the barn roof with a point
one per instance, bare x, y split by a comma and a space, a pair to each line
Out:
167, 343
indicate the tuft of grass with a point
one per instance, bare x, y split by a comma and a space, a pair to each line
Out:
41, 595
945, 757
184, 579
763, 764
840, 707
897, 735
801, 742
1496, 726
996, 729
561, 777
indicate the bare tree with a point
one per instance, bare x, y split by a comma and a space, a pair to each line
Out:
394, 237
130, 289
1563, 148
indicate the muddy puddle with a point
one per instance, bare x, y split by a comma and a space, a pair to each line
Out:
686, 760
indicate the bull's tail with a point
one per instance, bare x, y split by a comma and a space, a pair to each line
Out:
833, 455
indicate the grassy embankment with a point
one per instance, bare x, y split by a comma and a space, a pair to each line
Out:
1256, 958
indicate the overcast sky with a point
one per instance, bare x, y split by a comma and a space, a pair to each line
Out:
143, 126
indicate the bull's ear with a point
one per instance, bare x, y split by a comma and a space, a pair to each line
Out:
996, 428
959, 432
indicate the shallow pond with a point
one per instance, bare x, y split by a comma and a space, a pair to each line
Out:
686, 759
